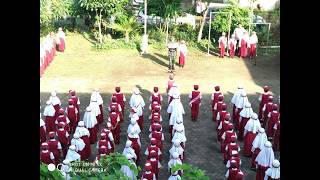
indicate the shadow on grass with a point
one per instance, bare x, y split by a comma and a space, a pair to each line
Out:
89, 37
155, 59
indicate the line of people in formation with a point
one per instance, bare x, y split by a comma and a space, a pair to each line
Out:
60, 123
52, 43
240, 44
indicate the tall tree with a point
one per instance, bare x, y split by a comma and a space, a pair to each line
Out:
126, 25
107, 7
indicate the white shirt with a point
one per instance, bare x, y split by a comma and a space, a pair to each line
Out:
134, 130
253, 39
177, 111
265, 157
223, 40
272, 172
137, 102
78, 143
49, 111
252, 126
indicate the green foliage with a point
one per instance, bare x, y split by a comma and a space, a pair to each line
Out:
107, 6
164, 8
190, 172
51, 10
45, 174
238, 16
185, 32
108, 168
126, 25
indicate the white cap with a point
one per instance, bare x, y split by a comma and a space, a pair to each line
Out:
128, 143
176, 142
261, 130
48, 102
268, 144
133, 121
254, 116
275, 163
175, 155
76, 135
53, 93
72, 147
80, 123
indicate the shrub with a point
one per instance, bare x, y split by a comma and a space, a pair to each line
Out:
185, 32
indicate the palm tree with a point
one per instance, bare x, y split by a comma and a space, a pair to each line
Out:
126, 25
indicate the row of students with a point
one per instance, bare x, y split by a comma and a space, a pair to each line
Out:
52, 43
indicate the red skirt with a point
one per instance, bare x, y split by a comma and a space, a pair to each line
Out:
43, 137
243, 123
50, 124
62, 45
243, 49
194, 111
140, 122
276, 142
252, 50
135, 146
181, 59
261, 172
248, 139
254, 156
86, 140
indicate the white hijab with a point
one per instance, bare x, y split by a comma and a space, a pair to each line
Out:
247, 111
179, 135
78, 143
273, 172
82, 131
133, 130
137, 101
266, 155
253, 125
177, 111
89, 119
242, 100
49, 110
176, 147
95, 96
259, 140
236, 95
72, 155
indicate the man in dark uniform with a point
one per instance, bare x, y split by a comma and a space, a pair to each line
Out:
172, 51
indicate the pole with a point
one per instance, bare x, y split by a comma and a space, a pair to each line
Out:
145, 17
229, 32
209, 32
268, 37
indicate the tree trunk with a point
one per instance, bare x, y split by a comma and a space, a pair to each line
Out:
127, 37
167, 31
202, 24
100, 22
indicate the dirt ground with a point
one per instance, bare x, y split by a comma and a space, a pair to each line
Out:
83, 69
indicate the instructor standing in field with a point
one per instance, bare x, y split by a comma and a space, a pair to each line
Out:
172, 52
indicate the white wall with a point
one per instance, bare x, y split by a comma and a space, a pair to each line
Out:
264, 4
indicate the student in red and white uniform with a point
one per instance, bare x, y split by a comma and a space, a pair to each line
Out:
76, 102
56, 103
273, 173
90, 122
63, 137
214, 98
276, 137
84, 135
117, 107
156, 94
121, 98
263, 99
137, 102
195, 102
245, 115
72, 115
232, 46
49, 114
46, 156
264, 160
222, 44
274, 117
257, 145
80, 145
250, 133
134, 136
148, 174
253, 41
267, 108
114, 119
129, 150
54, 147
158, 135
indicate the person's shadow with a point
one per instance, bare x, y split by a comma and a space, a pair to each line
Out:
155, 60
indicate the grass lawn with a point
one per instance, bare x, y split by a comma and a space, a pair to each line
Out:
82, 68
